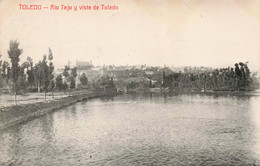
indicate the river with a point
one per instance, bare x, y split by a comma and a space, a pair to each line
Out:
138, 129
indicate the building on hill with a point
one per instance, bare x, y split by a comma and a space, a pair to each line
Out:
84, 65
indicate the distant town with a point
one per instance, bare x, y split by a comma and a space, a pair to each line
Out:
124, 75
143, 77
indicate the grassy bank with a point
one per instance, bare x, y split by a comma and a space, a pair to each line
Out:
21, 113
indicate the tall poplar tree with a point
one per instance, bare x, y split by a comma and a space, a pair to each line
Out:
51, 70
14, 53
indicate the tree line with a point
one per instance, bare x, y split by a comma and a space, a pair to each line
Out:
29, 76
224, 79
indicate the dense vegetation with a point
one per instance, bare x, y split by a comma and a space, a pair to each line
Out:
39, 77
224, 79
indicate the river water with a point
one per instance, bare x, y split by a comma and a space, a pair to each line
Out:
134, 129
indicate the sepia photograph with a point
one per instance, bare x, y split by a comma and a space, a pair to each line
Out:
130, 82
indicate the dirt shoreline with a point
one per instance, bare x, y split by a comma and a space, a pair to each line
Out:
13, 115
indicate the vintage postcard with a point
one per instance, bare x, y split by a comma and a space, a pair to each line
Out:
129, 82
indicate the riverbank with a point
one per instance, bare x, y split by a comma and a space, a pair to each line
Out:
13, 115
209, 93
231, 93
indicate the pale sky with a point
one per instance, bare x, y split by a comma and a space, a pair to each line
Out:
215, 33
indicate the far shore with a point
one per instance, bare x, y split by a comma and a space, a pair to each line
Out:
235, 93
255, 92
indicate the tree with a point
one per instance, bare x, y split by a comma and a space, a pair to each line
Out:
30, 72
106, 81
72, 83
4, 67
14, 53
247, 76
8, 75
59, 84
22, 77
66, 71
243, 80
66, 74
65, 86
46, 77
238, 76
73, 76
163, 84
6, 71
38, 75
83, 79
74, 72
150, 83
51, 70
52, 86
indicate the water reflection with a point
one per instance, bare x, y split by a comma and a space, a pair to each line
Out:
19, 140
255, 116
141, 129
